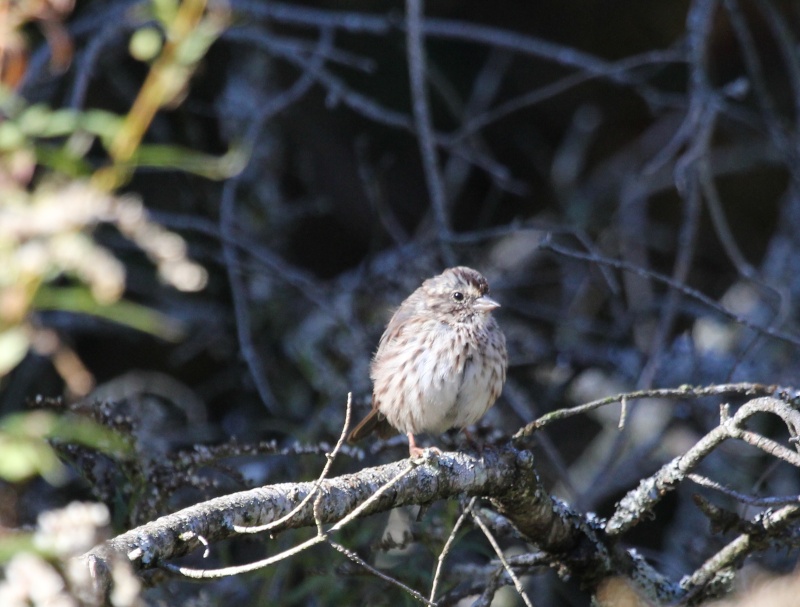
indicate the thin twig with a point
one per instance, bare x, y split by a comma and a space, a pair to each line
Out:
701, 115
447, 545
740, 389
632, 507
228, 231
499, 552
378, 573
415, 49
787, 43
323, 475
757, 78
207, 574
750, 500
773, 523
663, 278
558, 87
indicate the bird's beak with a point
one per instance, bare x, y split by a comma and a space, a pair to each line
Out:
485, 304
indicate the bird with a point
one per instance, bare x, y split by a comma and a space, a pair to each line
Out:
441, 361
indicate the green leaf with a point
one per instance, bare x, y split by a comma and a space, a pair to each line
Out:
196, 45
12, 544
136, 316
25, 451
24, 458
86, 432
60, 159
184, 159
34, 119
61, 123
14, 345
145, 44
165, 10
103, 124
40, 121
11, 136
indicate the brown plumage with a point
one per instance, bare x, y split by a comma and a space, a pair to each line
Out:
441, 362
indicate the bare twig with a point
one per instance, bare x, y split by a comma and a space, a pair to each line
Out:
701, 115
650, 491
446, 548
380, 574
787, 43
679, 286
228, 231
773, 523
415, 49
750, 500
331, 457
558, 87
499, 552
740, 389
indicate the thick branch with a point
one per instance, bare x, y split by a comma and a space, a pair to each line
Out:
652, 489
506, 476
452, 474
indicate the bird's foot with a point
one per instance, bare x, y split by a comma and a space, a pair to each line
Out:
415, 452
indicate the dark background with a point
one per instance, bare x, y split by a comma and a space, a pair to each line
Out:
656, 136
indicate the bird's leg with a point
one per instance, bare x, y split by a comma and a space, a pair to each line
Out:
414, 451
472, 442
468, 436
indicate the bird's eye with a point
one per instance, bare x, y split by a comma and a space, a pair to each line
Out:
458, 296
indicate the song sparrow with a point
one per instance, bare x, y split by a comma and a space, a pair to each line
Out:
441, 362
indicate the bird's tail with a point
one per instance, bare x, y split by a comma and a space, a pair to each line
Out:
375, 421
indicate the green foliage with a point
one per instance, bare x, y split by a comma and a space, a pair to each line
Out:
25, 450
80, 300
54, 196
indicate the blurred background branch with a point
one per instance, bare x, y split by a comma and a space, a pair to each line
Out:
208, 210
